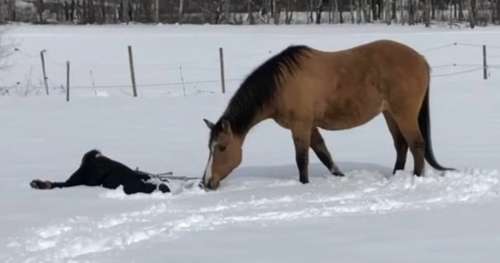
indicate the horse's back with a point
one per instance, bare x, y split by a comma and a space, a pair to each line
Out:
385, 58
391, 58
402, 74
347, 88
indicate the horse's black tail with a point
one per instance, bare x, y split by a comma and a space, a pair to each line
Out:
424, 121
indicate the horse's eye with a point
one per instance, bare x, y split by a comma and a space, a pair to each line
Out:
222, 148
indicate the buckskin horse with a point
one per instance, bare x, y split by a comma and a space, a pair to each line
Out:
304, 89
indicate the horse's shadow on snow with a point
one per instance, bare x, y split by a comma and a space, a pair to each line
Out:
315, 170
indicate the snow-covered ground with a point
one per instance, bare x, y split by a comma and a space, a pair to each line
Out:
261, 213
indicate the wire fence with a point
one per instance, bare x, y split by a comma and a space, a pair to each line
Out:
457, 44
185, 75
458, 69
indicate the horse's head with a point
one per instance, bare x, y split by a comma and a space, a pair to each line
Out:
225, 153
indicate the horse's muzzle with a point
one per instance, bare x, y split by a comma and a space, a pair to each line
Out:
210, 185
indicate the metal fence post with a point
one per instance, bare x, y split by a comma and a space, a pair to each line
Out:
42, 56
67, 80
485, 64
132, 71
222, 78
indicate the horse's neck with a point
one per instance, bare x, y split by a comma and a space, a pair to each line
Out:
259, 117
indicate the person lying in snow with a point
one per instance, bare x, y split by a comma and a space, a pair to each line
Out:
99, 170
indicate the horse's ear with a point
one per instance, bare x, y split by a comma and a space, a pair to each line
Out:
226, 127
209, 124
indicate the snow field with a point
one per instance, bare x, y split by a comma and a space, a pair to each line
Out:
261, 213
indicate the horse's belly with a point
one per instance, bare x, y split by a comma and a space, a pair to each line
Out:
341, 125
347, 117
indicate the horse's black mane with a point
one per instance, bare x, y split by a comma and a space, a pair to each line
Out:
258, 89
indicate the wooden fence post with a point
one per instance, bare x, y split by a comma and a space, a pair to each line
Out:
44, 72
485, 64
132, 71
222, 78
67, 80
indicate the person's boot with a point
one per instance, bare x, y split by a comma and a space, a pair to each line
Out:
164, 188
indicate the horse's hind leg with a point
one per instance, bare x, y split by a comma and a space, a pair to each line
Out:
302, 140
319, 148
408, 126
399, 143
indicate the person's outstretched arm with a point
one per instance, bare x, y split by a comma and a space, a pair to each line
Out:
74, 180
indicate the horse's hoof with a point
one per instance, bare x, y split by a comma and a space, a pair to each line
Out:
304, 181
339, 174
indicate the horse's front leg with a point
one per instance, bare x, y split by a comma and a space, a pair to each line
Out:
302, 141
319, 147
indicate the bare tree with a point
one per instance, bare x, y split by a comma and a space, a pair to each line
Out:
387, 11
366, 11
40, 8
411, 12
276, 10
91, 12
156, 12
498, 12
227, 11
461, 10
84, 17
394, 15
3, 12
341, 12
125, 12
427, 13
181, 11
377, 9
401, 12
333, 9
7, 10
251, 18
289, 11
358, 8
310, 11
213, 11
102, 11
351, 10
472, 13
320, 6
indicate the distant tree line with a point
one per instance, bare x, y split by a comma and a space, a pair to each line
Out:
411, 12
